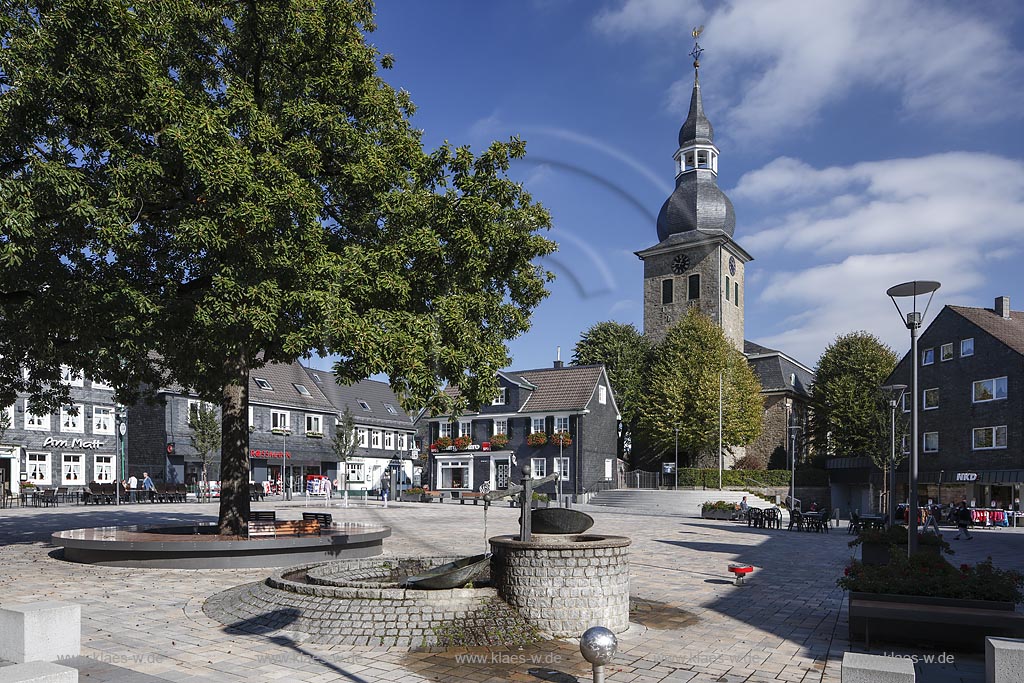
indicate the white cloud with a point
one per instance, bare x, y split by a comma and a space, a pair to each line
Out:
865, 227
791, 58
880, 206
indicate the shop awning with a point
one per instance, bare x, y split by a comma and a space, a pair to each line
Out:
972, 477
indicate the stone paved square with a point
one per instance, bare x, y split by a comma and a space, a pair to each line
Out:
688, 621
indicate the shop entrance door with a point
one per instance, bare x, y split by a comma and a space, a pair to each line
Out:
5, 475
501, 472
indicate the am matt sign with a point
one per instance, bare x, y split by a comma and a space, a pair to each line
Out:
51, 442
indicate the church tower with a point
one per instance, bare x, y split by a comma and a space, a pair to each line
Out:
696, 261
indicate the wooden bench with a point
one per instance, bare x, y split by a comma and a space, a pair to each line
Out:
469, 495
324, 518
294, 527
879, 610
262, 515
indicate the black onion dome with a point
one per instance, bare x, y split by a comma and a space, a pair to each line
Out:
696, 128
696, 205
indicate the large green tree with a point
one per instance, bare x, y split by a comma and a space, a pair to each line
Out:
849, 414
681, 390
190, 190
623, 351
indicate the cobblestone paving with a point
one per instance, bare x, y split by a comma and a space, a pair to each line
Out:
689, 622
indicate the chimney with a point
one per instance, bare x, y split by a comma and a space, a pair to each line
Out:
1003, 306
558, 357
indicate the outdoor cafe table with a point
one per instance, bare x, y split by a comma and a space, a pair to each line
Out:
872, 521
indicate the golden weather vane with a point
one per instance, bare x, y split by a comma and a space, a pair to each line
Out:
697, 49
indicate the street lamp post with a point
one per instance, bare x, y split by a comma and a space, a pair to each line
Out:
913, 319
793, 429
285, 483
720, 456
896, 392
675, 485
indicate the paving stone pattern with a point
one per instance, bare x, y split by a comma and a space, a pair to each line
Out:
690, 623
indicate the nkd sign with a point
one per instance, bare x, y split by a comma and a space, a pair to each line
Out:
966, 476
51, 442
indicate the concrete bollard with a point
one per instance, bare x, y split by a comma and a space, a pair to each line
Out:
861, 668
38, 672
1004, 660
40, 631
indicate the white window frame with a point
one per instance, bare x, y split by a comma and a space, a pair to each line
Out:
943, 352
38, 468
500, 427
301, 388
905, 401
389, 441
73, 378
263, 384
609, 469
354, 471
445, 430
538, 468
994, 432
363, 436
251, 423
364, 405
994, 391
280, 419
390, 408
924, 442
400, 441
602, 394
962, 343
36, 423
375, 438
314, 424
924, 399
927, 356
561, 427
537, 421
905, 443
72, 424
195, 404
500, 399
105, 466
559, 464
102, 423
466, 428
464, 464
72, 464
100, 384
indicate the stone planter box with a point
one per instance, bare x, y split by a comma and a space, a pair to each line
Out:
412, 497
925, 629
718, 514
535, 504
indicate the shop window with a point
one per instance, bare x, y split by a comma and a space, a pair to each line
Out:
454, 474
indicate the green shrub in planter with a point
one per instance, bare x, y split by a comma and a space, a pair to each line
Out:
931, 576
897, 535
717, 505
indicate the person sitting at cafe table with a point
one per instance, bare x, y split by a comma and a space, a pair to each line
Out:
814, 506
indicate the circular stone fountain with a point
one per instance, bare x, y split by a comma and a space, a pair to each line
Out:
359, 602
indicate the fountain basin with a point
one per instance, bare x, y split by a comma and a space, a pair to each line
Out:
564, 583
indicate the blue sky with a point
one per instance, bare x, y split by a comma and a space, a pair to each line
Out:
863, 143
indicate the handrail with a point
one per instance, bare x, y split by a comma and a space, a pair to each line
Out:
602, 485
794, 503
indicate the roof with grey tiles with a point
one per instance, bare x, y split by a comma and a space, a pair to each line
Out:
776, 371
1009, 331
376, 395
285, 380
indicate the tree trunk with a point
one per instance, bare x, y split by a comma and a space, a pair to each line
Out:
234, 468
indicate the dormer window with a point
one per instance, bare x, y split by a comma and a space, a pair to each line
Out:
263, 384
390, 408
364, 405
316, 378
301, 389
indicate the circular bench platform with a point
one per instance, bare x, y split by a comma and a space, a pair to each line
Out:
198, 546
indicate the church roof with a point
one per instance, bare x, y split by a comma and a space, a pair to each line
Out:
776, 371
696, 128
696, 205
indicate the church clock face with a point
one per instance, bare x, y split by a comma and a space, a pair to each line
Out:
680, 263
732, 265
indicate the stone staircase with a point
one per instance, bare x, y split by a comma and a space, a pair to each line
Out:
685, 502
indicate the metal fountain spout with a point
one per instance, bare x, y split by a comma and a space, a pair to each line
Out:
525, 493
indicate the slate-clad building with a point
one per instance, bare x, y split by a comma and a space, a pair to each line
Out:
385, 435
70, 447
971, 419
288, 415
573, 399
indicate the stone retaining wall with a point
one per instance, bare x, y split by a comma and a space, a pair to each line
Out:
564, 589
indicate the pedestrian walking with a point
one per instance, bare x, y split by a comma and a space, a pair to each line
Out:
963, 520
